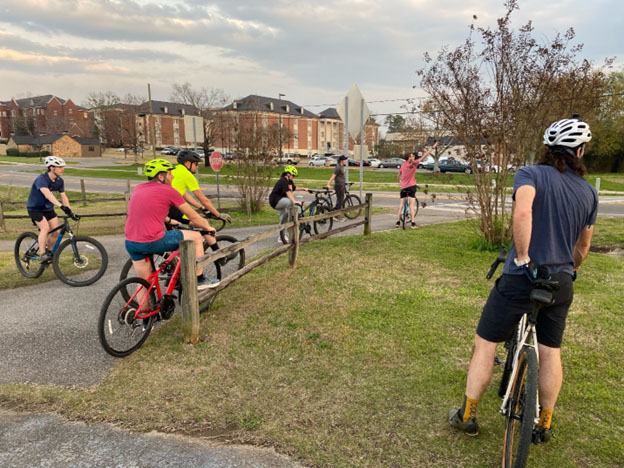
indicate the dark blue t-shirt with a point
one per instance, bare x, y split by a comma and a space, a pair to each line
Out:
564, 205
36, 200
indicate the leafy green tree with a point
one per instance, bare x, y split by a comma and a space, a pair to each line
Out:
606, 152
395, 123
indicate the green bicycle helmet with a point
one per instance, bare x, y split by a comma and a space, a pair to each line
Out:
291, 170
153, 167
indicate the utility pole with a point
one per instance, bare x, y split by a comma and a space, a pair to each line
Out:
152, 126
280, 96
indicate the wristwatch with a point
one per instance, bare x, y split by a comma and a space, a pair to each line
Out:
521, 263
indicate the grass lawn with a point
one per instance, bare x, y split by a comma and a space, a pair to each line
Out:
354, 358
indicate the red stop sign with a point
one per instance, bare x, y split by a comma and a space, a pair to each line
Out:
216, 161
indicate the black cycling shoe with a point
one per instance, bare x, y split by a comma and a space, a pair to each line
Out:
470, 427
541, 435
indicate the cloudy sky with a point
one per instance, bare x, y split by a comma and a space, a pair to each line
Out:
311, 51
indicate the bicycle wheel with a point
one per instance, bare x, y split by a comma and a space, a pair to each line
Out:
27, 256
416, 205
234, 261
521, 411
80, 261
323, 225
119, 330
352, 200
405, 214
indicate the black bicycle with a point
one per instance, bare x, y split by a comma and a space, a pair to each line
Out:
406, 215
77, 261
349, 201
519, 384
318, 206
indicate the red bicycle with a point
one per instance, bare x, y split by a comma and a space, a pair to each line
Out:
133, 306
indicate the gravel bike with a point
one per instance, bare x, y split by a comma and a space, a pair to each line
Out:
406, 216
318, 206
519, 384
349, 201
77, 261
133, 306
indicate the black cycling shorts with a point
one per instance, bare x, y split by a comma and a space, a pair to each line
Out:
37, 216
510, 299
409, 191
175, 213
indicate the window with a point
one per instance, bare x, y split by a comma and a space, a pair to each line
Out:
55, 113
69, 111
91, 148
86, 116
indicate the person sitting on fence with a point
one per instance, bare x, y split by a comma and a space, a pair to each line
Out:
282, 198
185, 183
41, 203
147, 212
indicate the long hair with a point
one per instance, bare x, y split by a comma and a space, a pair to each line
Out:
561, 158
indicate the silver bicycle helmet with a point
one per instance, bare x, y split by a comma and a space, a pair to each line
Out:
567, 132
54, 161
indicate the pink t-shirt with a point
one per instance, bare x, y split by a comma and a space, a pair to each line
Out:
407, 173
148, 207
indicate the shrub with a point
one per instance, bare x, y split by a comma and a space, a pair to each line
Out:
12, 152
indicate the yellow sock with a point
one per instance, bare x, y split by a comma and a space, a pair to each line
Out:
545, 418
469, 409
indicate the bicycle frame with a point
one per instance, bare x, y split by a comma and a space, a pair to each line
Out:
525, 336
155, 284
64, 228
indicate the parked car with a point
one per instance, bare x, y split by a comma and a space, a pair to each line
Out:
317, 161
424, 162
391, 162
453, 165
374, 162
331, 160
288, 158
171, 150
353, 162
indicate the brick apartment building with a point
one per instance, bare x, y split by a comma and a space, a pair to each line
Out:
173, 124
308, 133
41, 115
331, 133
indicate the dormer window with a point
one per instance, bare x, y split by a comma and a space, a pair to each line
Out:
235, 105
287, 108
271, 106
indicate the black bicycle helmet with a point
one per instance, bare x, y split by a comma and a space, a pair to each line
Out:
188, 155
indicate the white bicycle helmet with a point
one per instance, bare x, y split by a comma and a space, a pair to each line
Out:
54, 161
567, 132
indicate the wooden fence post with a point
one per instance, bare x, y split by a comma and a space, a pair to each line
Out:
294, 237
84, 192
2, 225
190, 302
368, 213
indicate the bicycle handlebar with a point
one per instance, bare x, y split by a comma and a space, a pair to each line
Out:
502, 255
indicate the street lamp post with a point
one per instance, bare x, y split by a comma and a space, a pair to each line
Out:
280, 96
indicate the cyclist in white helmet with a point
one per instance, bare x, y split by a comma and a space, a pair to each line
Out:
41, 203
554, 213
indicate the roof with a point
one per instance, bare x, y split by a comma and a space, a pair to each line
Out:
36, 140
49, 139
169, 108
266, 104
330, 113
87, 140
38, 101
